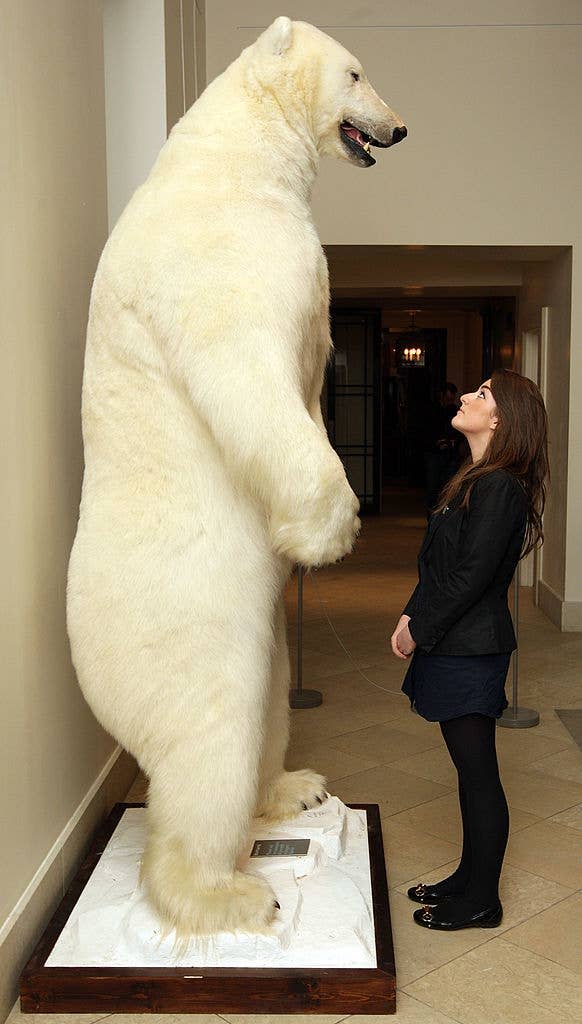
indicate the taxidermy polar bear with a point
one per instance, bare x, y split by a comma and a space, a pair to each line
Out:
208, 471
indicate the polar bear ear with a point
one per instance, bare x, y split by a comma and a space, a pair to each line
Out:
277, 38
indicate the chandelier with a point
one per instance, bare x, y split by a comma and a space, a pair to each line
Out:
413, 353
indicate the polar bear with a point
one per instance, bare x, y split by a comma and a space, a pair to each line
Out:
208, 471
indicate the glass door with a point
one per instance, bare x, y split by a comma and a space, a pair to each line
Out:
354, 400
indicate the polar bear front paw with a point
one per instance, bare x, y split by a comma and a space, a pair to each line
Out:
326, 530
290, 793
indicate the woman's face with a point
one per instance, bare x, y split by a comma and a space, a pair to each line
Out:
478, 412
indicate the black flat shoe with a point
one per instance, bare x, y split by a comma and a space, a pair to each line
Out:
436, 917
424, 894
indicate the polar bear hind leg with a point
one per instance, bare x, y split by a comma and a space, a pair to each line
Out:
283, 794
196, 898
202, 794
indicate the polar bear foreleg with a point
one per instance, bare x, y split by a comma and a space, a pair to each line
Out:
283, 794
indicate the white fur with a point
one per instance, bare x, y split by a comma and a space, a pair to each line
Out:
208, 469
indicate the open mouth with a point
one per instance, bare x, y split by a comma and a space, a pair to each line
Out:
358, 142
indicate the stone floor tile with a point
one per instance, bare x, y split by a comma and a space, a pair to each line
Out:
551, 725
319, 666
417, 951
163, 1018
338, 694
357, 685
409, 721
567, 764
522, 894
539, 793
393, 790
572, 817
518, 747
559, 688
17, 1017
442, 817
383, 743
408, 1011
555, 933
390, 673
323, 758
409, 852
499, 983
548, 849
281, 1018
311, 725
434, 764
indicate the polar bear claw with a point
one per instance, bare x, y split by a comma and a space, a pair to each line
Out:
290, 793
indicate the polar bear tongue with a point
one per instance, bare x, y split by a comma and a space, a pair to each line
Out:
354, 133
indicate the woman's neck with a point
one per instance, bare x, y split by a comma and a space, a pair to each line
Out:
478, 445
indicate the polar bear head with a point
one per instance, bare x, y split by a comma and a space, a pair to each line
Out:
323, 88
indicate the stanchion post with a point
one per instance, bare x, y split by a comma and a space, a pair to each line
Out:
515, 717
298, 697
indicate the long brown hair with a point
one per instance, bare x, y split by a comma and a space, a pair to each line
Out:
518, 444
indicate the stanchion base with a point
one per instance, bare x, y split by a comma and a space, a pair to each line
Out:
526, 718
305, 698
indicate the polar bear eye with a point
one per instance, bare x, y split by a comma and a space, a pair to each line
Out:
355, 76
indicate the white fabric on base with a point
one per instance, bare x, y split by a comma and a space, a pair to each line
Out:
326, 903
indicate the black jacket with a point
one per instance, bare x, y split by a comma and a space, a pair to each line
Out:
465, 565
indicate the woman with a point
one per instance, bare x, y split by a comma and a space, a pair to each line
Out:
458, 627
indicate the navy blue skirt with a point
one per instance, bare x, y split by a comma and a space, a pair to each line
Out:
443, 686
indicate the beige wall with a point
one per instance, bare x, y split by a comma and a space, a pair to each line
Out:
135, 94
155, 66
53, 211
490, 93
185, 55
65, 92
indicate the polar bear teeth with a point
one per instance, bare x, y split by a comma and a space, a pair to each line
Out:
356, 135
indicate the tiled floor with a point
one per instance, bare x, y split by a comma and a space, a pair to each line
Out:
373, 749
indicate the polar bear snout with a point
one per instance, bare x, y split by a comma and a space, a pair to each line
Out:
398, 135
358, 136
389, 136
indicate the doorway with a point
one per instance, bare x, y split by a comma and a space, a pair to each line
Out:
384, 387
413, 369
354, 400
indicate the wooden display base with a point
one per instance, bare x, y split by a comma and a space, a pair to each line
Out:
214, 989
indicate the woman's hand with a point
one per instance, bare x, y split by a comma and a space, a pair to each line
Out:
400, 626
404, 642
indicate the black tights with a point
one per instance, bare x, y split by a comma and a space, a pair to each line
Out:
470, 740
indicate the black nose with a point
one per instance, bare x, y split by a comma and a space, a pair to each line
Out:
399, 134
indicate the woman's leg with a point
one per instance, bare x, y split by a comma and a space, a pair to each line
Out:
455, 884
470, 740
